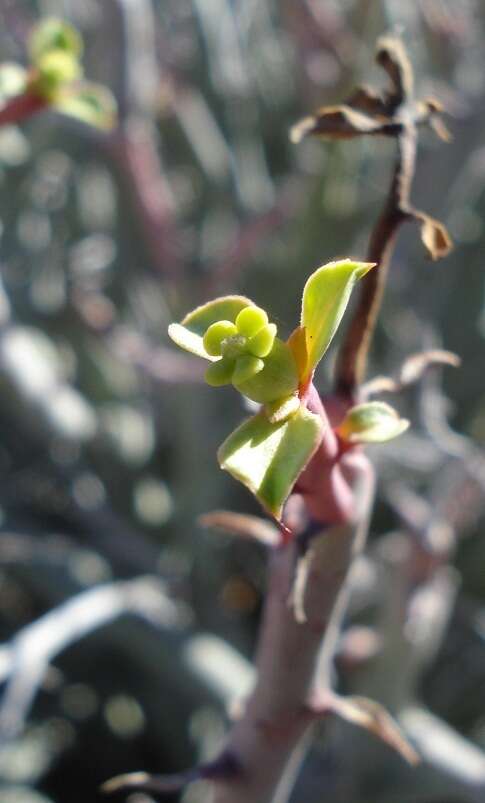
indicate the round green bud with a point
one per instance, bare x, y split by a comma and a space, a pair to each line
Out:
56, 68
250, 320
220, 372
216, 333
261, 343
247, 366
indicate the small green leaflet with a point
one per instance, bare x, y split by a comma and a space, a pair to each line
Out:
91, 103
372, 422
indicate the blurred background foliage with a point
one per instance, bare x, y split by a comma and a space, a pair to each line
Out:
108, 443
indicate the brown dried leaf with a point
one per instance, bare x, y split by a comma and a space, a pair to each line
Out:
417, 364
373, 717
392, 57
153, 783
428, 111
241, 524
440, 129
434, 236
411, 371
369, 100
225, 766
434, 105
380, 384
340, 122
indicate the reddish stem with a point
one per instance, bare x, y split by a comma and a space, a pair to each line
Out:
21, 108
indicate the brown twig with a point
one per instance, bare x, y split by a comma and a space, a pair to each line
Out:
353, 354
402, 108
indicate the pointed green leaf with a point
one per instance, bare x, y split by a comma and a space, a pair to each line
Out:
372, 422
91, 103
325, 297
268, 458
189, 333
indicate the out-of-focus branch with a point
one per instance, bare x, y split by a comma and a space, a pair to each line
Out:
25, 659
134, 146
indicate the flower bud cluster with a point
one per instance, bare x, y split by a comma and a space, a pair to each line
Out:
242, 347
56, 50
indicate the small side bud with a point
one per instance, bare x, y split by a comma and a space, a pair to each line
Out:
372, 422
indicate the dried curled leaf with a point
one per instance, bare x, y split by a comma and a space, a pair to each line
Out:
415, 366
369, 100
242, 525
441, 129
412, 370
392, 57
373, 717
225, 766
152, 783
434, 236
340, 122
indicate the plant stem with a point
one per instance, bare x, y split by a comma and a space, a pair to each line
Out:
352, 359
21, 107
292, 666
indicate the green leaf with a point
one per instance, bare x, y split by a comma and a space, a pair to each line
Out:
54, 34
278, 378
190, 332
268, 458
325, 297
281, 409
91, 103
372, 422
13, 80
